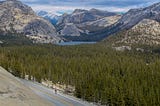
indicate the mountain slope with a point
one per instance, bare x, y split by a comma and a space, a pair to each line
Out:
84, 23
127, 21
146, 32
14, 93
134, 16
138, 27
16, 17
79, 16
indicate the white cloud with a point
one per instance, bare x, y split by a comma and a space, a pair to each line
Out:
55, 9
68, 9
56, 6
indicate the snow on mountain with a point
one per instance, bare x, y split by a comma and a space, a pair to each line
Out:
49, 16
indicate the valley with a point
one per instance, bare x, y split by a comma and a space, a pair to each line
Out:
103, 58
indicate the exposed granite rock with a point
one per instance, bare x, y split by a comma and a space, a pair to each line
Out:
16, 17
85, 22
129, 20
14, 93
71, 30
122, 48
93, 26
133, 17
79, 16
146, 32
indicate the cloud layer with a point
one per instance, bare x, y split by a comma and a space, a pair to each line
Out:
70, 5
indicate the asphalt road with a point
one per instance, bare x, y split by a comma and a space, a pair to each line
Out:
58, 99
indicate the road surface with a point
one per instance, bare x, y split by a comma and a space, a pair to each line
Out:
58, 99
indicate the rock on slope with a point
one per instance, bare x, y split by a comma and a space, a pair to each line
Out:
70, 30
14, 93
16, 17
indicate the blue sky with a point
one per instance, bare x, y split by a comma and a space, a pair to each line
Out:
60, 6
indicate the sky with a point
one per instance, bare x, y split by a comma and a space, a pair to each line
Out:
59, 7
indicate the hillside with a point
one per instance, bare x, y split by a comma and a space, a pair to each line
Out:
138, 27
99, 74
14, 93
146, 32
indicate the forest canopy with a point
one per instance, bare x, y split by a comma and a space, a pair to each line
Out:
99, 73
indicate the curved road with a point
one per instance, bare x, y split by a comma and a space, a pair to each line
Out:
58, 99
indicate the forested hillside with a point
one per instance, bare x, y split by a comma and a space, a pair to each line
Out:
98, 73
10, 39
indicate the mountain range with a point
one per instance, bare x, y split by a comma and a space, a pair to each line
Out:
81, 23
137, 26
